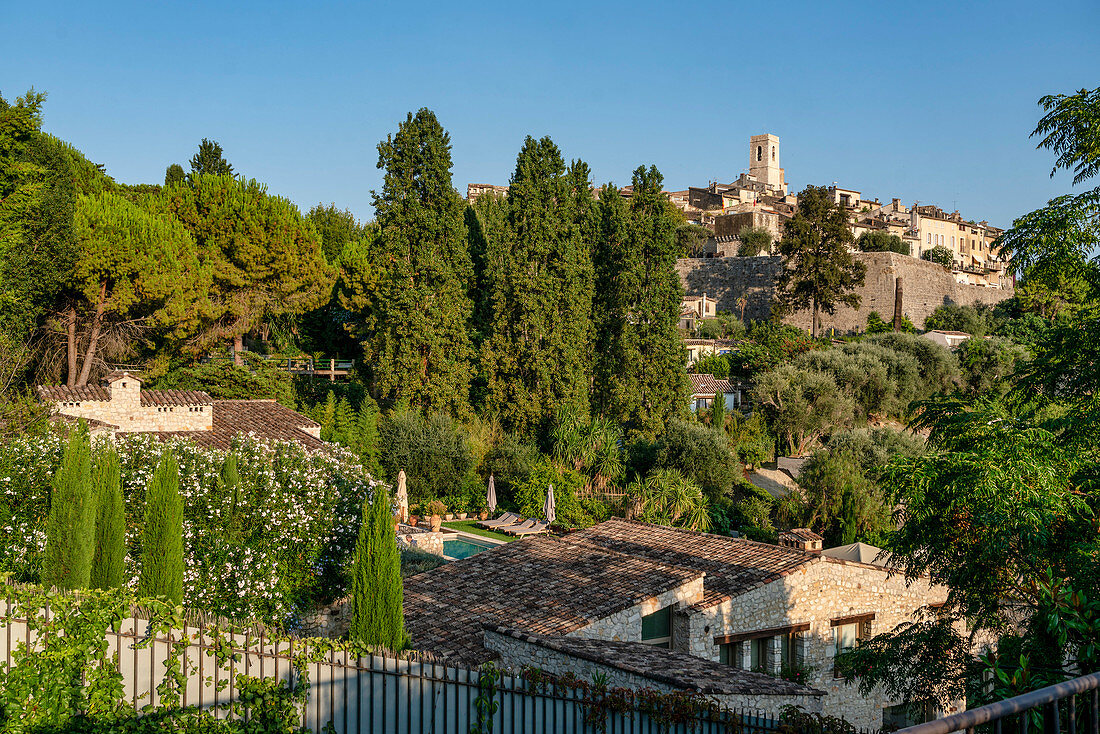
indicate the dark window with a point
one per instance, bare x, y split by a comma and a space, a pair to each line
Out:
759, 153
657, 628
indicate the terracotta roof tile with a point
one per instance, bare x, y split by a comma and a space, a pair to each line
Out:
703, 384
262, 418
99, 393
543, 585
671, 667
732, 565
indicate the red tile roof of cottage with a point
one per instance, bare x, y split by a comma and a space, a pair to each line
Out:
261, 418
543, 585
732, 566
102, 394
703, 384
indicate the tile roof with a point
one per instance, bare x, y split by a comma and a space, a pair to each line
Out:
732, 566
262, 418
544, 585
671, 667
92, 423
100, 393
703, 384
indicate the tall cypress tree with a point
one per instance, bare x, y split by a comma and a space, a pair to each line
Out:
366, 432
410, 296
539, 274
376, 590
162, 540
109, 562
639, 377
70, 527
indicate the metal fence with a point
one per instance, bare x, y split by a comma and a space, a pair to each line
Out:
376, 693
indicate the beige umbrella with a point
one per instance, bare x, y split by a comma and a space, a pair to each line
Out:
491, 495
402, 497
548, 509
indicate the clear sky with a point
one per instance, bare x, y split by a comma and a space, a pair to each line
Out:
925, 101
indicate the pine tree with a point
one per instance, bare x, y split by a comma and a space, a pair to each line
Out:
409, 290
162, 540
70, 527
174, 175
818, 270
539, 275
327, 419
343, 424
377, 617
109, 562
209, 160
638, 377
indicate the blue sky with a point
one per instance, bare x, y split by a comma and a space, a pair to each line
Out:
925, 101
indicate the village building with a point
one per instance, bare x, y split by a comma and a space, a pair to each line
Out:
121, 405
591, 601
949, 339
705, 389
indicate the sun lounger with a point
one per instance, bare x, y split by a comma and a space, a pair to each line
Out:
513, 529
539, 527
508, 518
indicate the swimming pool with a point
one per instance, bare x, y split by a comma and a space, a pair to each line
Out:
465, 547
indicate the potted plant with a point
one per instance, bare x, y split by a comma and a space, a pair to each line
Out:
413, 519
436, 509
458, 504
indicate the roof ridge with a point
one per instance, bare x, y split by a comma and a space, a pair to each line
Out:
739, 541
585, 543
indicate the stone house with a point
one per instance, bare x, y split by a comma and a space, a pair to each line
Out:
121, 405
705, 388
949, 339
752, 607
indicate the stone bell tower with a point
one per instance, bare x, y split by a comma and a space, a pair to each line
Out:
764, 162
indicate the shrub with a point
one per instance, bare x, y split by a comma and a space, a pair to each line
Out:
750, 439
974, 320
801, 405
700, 453
985, 363
754, 240
162, 539
376, 616
875, 324
768, 346
414, 561
940, 255
879, 241
258, 379
572, 511
434, 452
938, 369
712, 364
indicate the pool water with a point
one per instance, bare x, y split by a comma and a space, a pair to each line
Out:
464, 547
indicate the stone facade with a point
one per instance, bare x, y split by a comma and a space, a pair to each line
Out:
420, 538
120, 404
626, 625
516, 654
814, 595
926, 286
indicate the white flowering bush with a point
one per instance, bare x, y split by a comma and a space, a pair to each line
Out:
272, 550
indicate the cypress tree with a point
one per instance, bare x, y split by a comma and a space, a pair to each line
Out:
377, 617
70, 527
539, 273
718, 413
162, 540
366, 431
229, 479
109, 562
327, 419
638, 379
343, 424
410, 290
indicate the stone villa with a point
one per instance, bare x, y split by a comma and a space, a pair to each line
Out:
121, 405
594, 600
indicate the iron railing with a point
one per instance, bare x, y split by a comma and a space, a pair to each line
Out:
1054, 707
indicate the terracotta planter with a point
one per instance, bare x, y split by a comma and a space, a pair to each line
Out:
449, 516
462, 516
437, 522
483, 515
413, 519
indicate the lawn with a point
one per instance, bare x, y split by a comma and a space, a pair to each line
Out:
467, 526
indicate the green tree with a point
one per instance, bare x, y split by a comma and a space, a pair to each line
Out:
940, 255
875, 324
208, 161
638, 376
336, 229
754, 240
712, 364
818, 271
987, 364
691, 239
718, 413
174, 175
366, 429
109, 561
162, 536
433, 451
376, 601
801, 405
877, 240
409, 291
702, 455
71, 525
978, 321
264, 259
539, 278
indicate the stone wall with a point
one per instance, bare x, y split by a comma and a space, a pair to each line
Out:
131, 417
518, 654
626, 626
419, 538
817, 593
925, 286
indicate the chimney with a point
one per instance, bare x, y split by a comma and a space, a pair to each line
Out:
802, 539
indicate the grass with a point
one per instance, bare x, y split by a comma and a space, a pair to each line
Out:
467, 526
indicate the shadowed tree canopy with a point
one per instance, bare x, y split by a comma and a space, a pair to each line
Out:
818, 270
409, 287
264, 259
638, 378
174, 175
539, 276
336, 229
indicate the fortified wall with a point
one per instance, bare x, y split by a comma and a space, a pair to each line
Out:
925, 286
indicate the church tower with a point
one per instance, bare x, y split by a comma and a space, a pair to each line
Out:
764, 162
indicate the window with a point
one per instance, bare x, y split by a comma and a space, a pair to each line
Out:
760, 650
759, 153
773, 154
903, 715
929, 238
849, 631
730, 654
657, 628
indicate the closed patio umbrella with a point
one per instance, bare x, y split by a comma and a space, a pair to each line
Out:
548, 509
402, 497
491, 495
